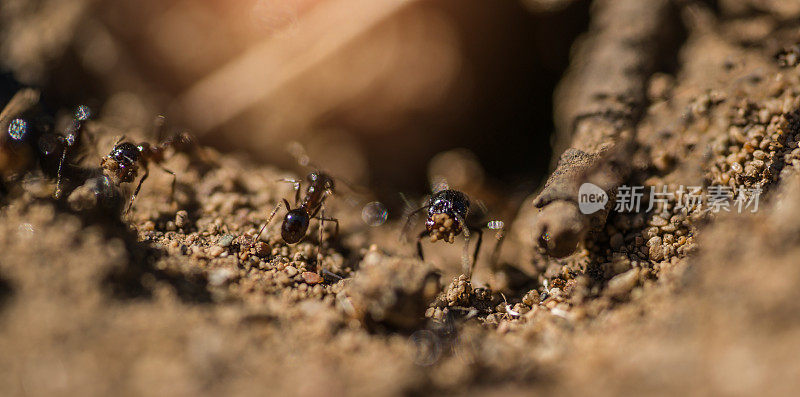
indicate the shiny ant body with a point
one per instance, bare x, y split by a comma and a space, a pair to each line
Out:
447, 212
295, 224
126, 159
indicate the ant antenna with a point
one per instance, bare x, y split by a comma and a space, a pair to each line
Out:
272, 215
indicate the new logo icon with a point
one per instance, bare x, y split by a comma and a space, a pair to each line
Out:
591, 198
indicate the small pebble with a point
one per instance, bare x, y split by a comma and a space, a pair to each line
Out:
218, 277
656, 251
658, 221
291, 271
226, 240
181, 218
616, 241
215, 251
262, 249
622, 284
670, 228
312, 278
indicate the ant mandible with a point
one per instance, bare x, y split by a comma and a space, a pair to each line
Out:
447, 212
126, 159
295, 223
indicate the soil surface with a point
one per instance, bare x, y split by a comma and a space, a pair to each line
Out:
180, 297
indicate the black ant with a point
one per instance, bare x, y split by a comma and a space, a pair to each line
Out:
447, 214
126, 159
295, 223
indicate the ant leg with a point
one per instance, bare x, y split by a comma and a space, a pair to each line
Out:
477, 250
319, 243
138, 187
322, 220
422, 235
466, 267
174, 181
296, 184
334, 220
269, 219
57, 194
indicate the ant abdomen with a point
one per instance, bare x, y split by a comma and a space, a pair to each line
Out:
294, 226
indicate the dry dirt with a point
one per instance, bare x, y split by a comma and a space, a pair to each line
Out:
179, 299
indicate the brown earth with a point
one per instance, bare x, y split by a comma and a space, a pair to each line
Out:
179, 299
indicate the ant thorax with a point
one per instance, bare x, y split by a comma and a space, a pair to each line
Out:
122, 164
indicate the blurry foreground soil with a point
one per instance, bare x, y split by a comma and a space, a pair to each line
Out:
181, 300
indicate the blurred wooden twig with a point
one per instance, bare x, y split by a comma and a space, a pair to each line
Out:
275, 62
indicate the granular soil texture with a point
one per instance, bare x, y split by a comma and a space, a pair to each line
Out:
181, 298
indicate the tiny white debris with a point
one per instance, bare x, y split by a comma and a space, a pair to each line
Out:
560, 313
218, 277
511, 311
495, 224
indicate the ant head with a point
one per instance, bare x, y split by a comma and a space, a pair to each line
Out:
125, 153
450, 202
447, 209
122, 162
321, 179
295, 225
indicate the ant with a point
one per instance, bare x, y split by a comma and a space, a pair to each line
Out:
126, 159
447, 213
295, 223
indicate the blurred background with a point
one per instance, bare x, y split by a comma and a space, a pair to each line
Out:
373, 89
